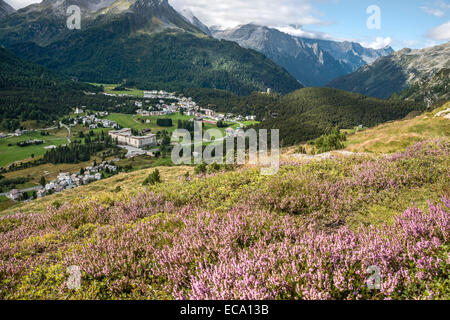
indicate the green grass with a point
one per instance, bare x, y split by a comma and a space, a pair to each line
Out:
5, 203
248, 123
390, 204
130, 183
133, 121
109, 88
13, 153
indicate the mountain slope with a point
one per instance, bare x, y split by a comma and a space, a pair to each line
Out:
396, 72
313, 62
429, 91
31, 92
16, 73
399, 135
239, 235
351, 54
307, 113
189, 15
5, 9
140, 41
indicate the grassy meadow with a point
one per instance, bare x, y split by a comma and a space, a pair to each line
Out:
13, 153
398, 135
109, 88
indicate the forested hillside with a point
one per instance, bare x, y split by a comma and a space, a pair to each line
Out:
310, 112
307, 113
31, 92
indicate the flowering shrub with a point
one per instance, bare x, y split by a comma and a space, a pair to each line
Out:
239, 235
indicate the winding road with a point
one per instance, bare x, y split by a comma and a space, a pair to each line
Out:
68, 131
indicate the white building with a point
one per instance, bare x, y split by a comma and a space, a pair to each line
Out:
208, 112
125, 137
14, 195
41, 193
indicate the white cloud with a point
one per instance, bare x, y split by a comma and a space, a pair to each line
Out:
444, 5
379, 43
440, 33
438, 9
229, 14
298, 31
435, 12
18, 4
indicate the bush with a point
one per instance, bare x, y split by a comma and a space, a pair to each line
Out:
152, 179
214, 167
330, 142
201, 168
164, 122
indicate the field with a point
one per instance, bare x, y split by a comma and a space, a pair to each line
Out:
5, 203
13, 153
109, 88
145, 162
133, 121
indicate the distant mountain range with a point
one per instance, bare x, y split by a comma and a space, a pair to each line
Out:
147, 43
5, 9
313, 62
142, 42
400, 71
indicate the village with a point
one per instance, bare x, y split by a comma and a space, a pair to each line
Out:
142, 142
92, 121
187, 107
67, 181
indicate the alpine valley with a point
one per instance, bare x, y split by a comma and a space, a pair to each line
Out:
105, 196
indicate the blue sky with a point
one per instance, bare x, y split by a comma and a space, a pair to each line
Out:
408, 23
404, 23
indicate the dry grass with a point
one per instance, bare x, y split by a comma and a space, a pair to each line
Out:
397, 136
